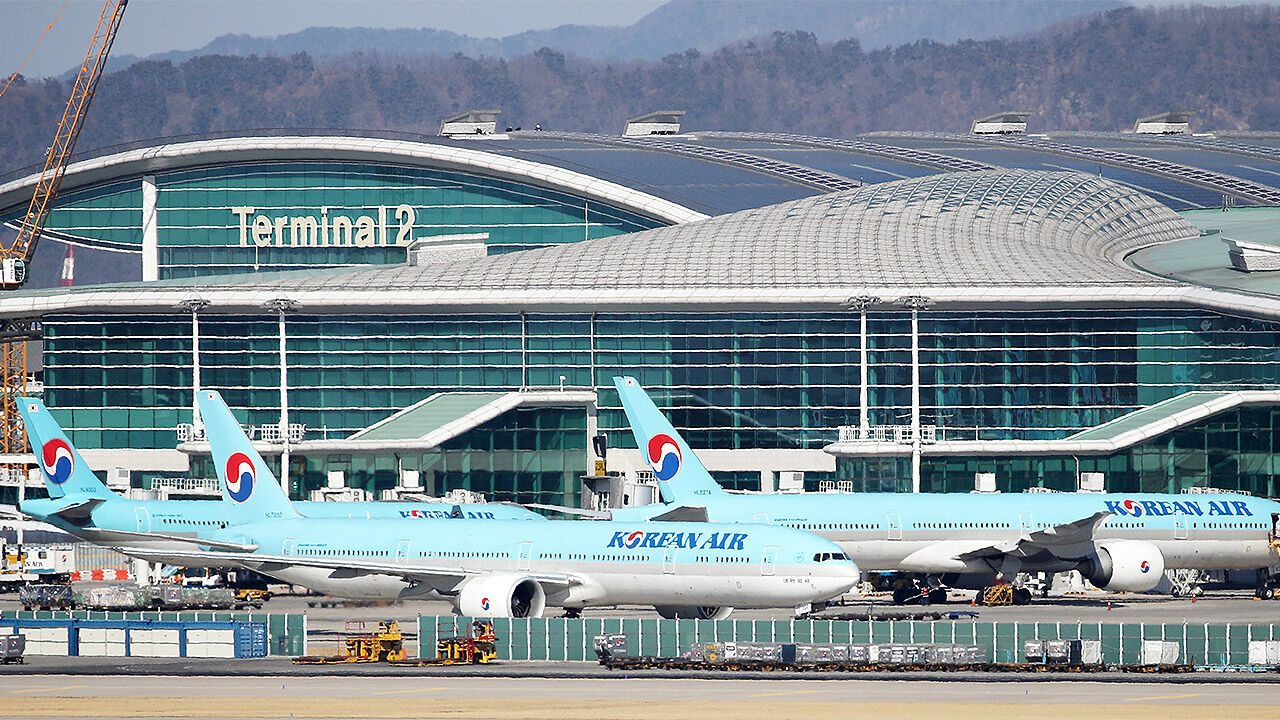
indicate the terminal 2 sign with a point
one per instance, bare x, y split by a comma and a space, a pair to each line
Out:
386, 227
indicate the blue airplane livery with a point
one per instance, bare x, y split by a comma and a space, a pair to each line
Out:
80, 504
505, 567
1119, 541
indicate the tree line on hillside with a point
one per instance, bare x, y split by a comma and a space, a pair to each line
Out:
1096, 74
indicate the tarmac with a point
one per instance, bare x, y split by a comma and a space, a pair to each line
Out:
436, 695
276, 688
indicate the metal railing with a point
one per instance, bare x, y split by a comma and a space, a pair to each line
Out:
899, 434
187, 486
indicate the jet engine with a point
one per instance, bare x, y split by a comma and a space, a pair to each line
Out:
695, 612
1131, 565
501, 595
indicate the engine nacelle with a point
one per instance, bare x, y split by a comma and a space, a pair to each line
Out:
1131, 565
501, 595
695, 612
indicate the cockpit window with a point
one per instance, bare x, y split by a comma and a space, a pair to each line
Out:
828, 557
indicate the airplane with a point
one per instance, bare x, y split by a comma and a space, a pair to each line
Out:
80, 504
503, 567
1118, 541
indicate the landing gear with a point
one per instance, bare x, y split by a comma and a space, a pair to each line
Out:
916, 594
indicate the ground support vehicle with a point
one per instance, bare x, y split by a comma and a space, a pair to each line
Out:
362, 643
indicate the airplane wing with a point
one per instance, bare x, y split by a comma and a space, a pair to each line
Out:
78, 512
684, 513
593, 514
1068, 540
438, 577
189, 539
679, 513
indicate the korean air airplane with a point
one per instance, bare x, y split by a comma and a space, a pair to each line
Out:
968, 540
80, 504
504, 567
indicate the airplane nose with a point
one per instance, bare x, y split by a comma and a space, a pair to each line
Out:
838, 579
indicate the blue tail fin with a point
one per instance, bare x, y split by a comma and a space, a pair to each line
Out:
65, 472
249, 488
681, 476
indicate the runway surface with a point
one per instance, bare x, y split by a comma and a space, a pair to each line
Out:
38, 696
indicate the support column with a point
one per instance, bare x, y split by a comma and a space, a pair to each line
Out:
767, 485
150, 231
861, 303
915, 303
280, 305
194, 306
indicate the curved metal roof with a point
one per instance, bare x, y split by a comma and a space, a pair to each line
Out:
993, 228
200, 153
1003, 238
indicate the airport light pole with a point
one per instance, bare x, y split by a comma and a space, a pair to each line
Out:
281, 306
194, 306
915, 303
861, 303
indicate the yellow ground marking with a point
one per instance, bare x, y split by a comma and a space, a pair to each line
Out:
1165, 697
42, 706
31, 690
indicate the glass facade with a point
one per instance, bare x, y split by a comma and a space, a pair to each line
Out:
281, 216
728, 380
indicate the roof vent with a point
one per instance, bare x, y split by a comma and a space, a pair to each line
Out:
660, 122
1251, 256
1002, 123
1174, 122
447, 248
471, 122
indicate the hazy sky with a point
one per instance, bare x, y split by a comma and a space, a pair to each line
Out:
153, 26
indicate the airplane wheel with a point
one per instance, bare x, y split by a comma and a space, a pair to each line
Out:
938, 596
1021, 596
1267, 593
1175, 591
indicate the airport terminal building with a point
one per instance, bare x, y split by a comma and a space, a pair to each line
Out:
894, 310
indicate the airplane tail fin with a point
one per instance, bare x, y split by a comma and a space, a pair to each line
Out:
65, 472
249, 488
682, 478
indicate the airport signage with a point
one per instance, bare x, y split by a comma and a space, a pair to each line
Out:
385, 225
1161, 508
700, 541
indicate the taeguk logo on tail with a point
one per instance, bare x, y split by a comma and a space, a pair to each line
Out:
1145, 567
664, 456
241, 476
484, 603
57, 461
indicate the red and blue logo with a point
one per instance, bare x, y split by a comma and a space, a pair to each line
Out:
484, 603
664, 456
1134, 509
1145, 567
241, 475
56, 461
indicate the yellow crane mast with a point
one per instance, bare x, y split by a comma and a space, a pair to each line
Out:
15, 257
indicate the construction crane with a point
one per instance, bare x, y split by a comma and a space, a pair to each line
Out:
15, 257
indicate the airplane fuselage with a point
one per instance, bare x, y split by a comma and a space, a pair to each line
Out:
897, 531
675, 564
